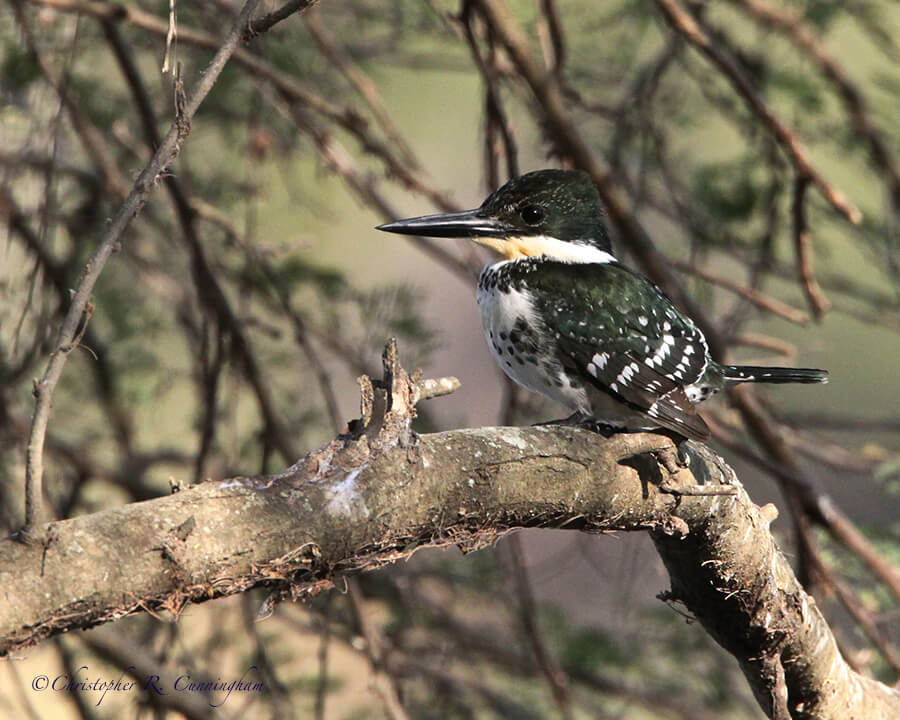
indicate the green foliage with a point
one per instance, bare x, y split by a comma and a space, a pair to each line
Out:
727, 190
823, 13
805, 93
17, 69
293, 273
99, 102
589, 648
888, 473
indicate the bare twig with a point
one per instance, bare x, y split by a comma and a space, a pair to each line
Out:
209, 288
347, 118
550, 16
297, 319
483, 640
85, 709
766, 342
818, 302
134, 659
548, 95
554, 674
266, 22
282, 706
362, 84
89, 135
170, 37
790, 23
322, 657
749, 293
849, 422
384, 681
19, 687
498, 132
851, 601
55, 271
820, 507
109, 244
686, 25
332, 151
569, 140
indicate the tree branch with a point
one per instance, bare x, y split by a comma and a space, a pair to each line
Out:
372, 497
686, 25
68, 336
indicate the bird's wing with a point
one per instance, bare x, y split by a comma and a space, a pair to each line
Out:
620, 330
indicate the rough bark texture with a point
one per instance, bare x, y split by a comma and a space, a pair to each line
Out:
374, 496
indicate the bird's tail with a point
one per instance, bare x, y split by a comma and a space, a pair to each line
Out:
754, 373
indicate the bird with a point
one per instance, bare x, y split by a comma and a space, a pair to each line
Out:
564, 318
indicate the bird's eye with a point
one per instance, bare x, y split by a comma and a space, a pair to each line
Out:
532, 214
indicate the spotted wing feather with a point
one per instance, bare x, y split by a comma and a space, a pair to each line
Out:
631, 342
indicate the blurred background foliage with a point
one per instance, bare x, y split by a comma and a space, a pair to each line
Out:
227, 340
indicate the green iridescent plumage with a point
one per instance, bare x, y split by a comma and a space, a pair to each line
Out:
616, 330
565, 319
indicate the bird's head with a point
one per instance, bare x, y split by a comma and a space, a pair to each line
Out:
555, 213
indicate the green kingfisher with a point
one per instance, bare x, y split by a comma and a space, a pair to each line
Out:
565, 319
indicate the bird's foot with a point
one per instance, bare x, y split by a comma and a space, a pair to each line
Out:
682, 457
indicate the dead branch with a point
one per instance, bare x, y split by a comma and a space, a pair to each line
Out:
791, 24
109, 243
816, 298
374, 496
748, 292
686, 25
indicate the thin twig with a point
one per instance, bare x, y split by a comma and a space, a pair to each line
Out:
818, 302
332, 151
820, 507
287, 85
766, 342
212, 294
55, 271
790, 23
550, 14
266, 22
568, 140
110, 243
92, 138
554, 674
749, 293
24, 699
384, 681
498, 130
322, 656
298, 321
361, 82
687, 26
170, 37
848, 598
85, 709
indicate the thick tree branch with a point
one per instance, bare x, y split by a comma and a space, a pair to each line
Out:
372, 497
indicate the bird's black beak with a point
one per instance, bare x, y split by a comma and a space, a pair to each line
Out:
469, 223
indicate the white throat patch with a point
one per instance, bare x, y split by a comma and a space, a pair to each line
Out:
511, 248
